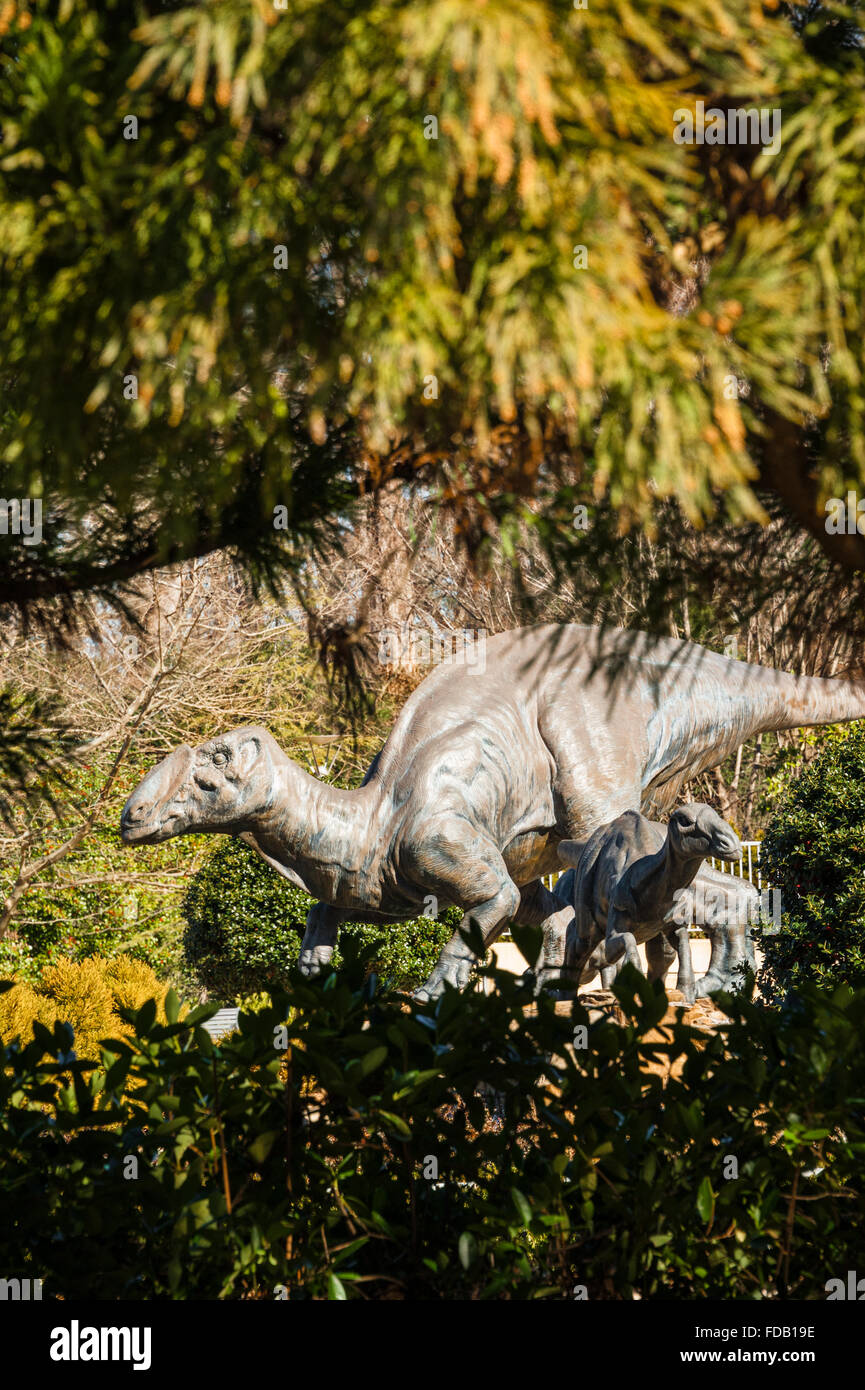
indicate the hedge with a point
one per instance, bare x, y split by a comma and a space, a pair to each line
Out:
245, 923
347, 1143
814, 854
89, 995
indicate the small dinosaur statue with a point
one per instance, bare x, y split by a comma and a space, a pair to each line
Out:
723, 906
627, 886
482, 777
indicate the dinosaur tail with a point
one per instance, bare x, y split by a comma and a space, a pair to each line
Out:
710, 706
802, 701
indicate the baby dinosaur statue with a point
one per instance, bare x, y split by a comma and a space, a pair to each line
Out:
627, 887
483, 775
723, 906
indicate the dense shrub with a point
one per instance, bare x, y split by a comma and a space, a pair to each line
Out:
85, 904
245, 923
89, 995
347, 1152
814, 853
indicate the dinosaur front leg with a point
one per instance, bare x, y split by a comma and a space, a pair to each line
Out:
685, 980
609, 973
620, 940
319, 939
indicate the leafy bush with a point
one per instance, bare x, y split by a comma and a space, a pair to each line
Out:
89, 995
814, 853
245, 923
83, 904
337, 1146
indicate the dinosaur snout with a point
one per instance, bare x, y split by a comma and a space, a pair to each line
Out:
131, 818
728, 847
140, 820
726, 844
149, 814
699, 830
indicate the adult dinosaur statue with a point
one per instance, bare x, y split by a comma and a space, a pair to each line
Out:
627, 887
482, 777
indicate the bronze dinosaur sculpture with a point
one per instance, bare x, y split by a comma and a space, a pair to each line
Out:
634, 882
723, 906
481, 779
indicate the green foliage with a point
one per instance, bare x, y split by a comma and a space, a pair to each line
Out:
89, 995
338, 1146
81, 904
245, 923
814, 854
405, 257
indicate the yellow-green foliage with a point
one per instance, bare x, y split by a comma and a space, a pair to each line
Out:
254, 1003
132, 982
18, 1009
87, 994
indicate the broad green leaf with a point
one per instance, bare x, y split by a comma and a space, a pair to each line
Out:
705, 1200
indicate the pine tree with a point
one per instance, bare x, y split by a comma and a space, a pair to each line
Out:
258, 260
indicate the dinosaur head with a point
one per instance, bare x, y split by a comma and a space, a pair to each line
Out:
217, 787
698, 832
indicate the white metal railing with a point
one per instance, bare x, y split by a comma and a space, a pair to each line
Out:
225, 1021
748, 865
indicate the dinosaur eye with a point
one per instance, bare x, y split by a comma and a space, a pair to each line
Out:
219, 759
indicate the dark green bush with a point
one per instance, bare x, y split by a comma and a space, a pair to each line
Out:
245, 923
814, 853
337, 1147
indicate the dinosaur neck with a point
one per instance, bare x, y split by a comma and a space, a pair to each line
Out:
680, 871
658, 877
322, 833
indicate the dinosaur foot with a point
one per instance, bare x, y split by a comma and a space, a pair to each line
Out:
674, 1002
454, 973
314, 959
729, 981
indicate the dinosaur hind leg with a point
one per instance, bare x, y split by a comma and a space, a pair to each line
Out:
660, 955
732, 955
491, 913
541, 908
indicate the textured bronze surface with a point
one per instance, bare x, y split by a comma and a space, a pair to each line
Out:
639, 882
482, 777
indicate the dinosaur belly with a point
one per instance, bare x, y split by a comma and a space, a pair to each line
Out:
531, 855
